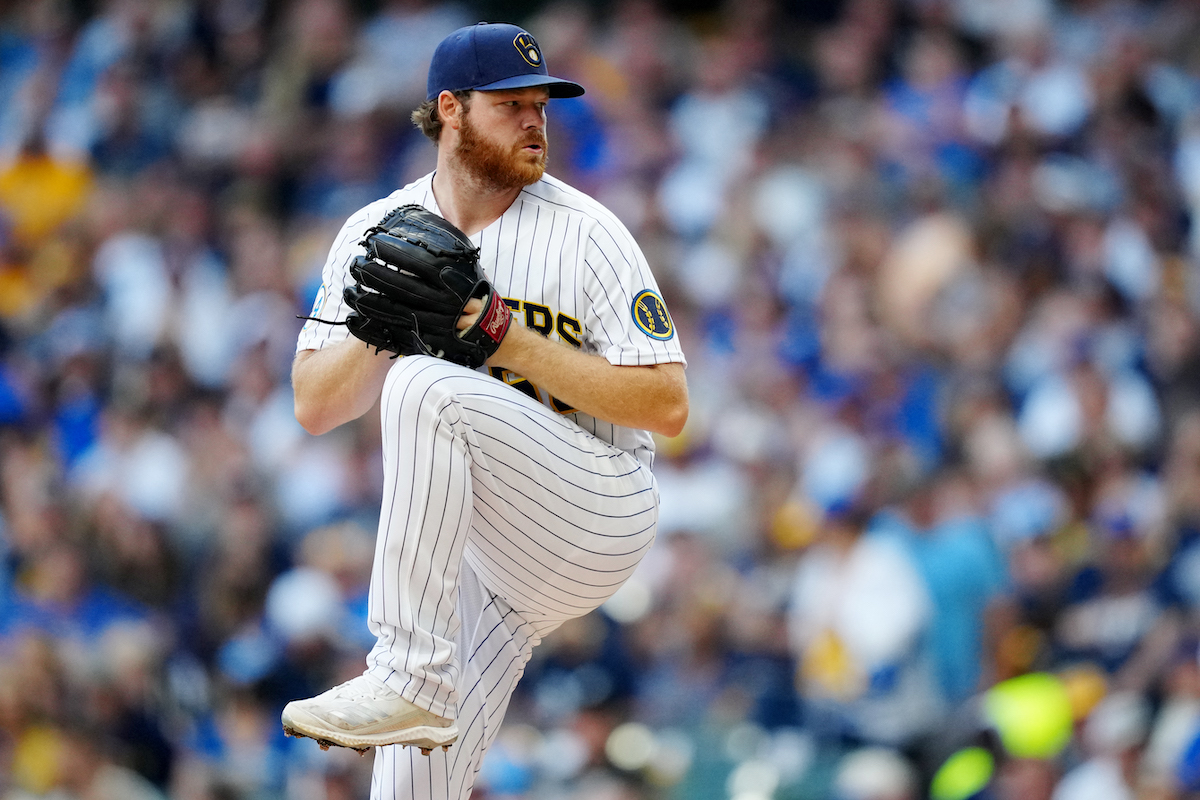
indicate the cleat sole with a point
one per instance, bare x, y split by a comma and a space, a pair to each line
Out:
300, 724
362, 745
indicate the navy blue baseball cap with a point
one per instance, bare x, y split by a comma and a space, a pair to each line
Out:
490, 56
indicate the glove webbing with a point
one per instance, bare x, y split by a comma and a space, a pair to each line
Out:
459, 249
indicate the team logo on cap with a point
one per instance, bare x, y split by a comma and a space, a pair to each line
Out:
528, 49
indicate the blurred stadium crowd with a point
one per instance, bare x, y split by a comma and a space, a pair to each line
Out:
934, 267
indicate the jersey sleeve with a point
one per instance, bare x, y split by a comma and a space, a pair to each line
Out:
328, 306
626, 316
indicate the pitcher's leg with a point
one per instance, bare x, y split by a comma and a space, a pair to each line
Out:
407, 693
424, 519
496, 644
550, 518
561, 518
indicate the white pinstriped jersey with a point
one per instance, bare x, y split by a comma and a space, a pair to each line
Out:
565, 265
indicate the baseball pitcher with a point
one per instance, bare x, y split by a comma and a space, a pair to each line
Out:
537, 358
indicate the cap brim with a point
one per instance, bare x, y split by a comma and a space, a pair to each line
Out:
558, 87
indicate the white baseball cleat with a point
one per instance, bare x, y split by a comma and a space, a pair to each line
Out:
363, 713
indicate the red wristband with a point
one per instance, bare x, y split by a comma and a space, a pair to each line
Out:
495, 318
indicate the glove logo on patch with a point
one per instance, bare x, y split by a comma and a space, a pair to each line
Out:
650, 314
528, 49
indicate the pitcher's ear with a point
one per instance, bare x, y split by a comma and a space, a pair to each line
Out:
450, 109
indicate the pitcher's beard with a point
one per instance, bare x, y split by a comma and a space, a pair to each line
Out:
494, 167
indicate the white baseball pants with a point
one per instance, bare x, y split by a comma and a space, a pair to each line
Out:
500, 520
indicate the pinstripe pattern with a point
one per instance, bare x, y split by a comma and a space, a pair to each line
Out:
482, 481
498, 645
501, 517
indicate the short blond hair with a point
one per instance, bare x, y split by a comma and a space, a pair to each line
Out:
426, 116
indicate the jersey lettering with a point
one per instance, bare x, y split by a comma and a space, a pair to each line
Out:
542, 319
561, 407
516, 381
569, 329
538, 318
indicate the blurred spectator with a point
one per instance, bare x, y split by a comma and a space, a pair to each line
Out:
967, 580
875, 773
38, 193
392, 52
1114, 734
1113, 615
717, 125
859, 611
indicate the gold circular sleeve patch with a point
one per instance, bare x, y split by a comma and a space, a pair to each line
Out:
650, 314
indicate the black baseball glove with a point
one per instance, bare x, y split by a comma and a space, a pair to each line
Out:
410, 289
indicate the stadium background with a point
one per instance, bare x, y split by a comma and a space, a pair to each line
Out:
934, 267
